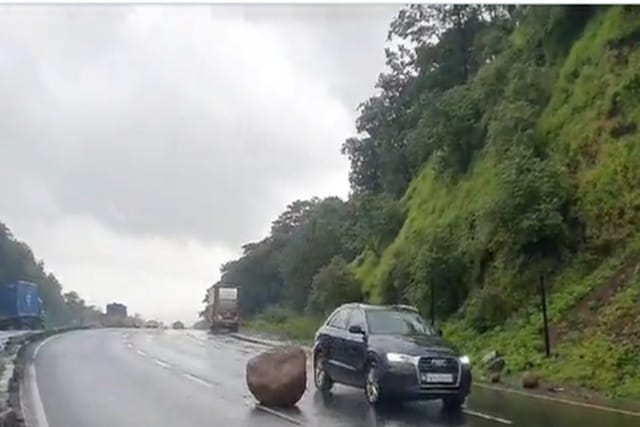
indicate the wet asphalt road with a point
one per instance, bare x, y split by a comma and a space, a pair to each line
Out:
127, 378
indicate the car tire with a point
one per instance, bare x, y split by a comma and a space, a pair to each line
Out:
321, 378
371, 385
454, 403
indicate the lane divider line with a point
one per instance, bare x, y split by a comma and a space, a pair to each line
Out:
279, 414
161, 363
486, 416
560, 400
141, 353
198, 380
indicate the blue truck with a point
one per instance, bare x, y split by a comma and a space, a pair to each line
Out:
20, 306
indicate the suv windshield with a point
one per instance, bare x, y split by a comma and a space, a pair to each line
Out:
397, 322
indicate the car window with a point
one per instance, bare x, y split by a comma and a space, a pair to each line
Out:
339, 319
357, 319
397, 322
332, 317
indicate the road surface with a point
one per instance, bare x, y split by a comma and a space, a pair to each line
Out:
139, 378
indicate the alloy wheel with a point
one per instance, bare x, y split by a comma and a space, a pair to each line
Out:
372, 388
322, 381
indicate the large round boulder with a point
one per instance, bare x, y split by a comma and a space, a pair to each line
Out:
278, 377
530, 380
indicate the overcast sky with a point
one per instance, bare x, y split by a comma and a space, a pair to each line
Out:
141, 146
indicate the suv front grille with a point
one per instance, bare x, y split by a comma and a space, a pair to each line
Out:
439, 365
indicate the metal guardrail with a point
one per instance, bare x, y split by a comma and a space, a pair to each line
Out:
5, 336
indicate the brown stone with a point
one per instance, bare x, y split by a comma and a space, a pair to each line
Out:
530, 380
278, 377
494, 377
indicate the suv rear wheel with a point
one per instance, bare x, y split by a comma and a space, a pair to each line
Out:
320, 376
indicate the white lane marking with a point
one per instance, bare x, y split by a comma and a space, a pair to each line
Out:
129, 345
141, 353
38, 407
197, 379
161, 363
487, 416
279, 414
37, 350
560, 400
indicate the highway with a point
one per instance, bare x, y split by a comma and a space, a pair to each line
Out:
139, 378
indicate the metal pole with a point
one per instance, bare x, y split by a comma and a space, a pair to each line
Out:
543, 294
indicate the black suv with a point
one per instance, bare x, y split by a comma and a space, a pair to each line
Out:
390, 352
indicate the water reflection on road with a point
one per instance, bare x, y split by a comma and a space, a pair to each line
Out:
350, 406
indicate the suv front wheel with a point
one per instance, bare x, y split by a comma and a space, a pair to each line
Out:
371, 384
454, 402
321, 378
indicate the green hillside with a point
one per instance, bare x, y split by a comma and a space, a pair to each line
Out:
589, 132
501, 147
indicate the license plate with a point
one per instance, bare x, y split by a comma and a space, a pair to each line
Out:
437, 378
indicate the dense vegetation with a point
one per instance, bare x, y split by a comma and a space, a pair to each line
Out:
501, 145
17, 262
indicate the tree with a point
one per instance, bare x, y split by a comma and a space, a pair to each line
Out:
17, 262
377, 221
333, 284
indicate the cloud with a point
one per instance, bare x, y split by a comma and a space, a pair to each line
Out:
190, 126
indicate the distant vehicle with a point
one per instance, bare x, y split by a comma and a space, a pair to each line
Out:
152, 324
222, 310
116, 310
20, 306
390, 352
177, 325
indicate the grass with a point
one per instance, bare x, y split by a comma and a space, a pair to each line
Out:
284, 324
591, 120
432, 205
593, 358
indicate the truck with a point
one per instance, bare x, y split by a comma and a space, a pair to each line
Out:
20, 306
115, 316
222, 309
116, 309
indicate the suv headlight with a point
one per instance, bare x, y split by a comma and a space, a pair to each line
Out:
465, 360
399, 358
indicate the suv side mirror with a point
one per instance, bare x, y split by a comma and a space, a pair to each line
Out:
356, 329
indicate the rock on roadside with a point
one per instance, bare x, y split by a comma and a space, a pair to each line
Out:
278, 377
530, 380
